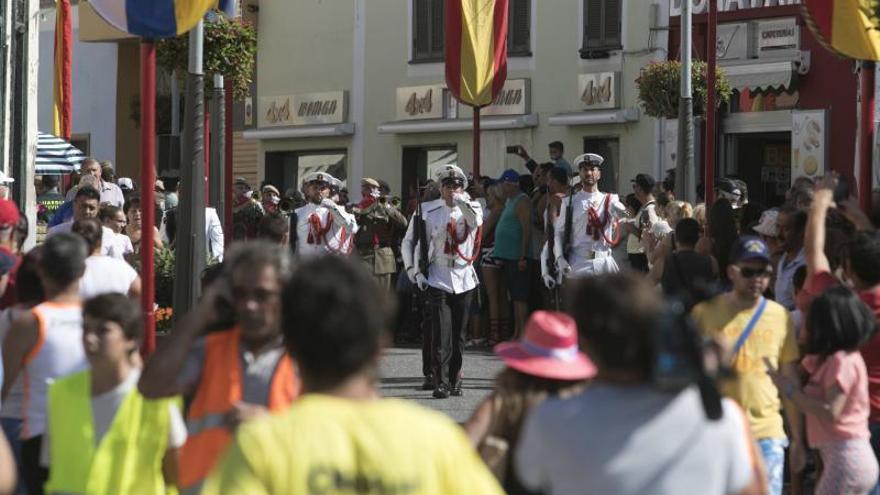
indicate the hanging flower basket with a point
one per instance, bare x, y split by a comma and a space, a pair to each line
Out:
659, 88
230, 49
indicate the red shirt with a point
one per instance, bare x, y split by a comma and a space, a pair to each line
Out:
818, 283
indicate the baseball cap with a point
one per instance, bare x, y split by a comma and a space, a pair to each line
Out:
272, 189
509, 175
5, 179
767, 225
749, 248
645, 182
8, 213
125, 183
370, 182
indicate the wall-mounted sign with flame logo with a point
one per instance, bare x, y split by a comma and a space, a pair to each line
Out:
303, 109
513, 99
599, 91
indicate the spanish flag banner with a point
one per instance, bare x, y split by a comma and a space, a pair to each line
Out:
62, 95
848, 27
476, 49
153, 19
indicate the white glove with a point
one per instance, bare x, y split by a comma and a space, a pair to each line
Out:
563, 266
411, 274
460, 197
329, 203
421, 281
549, 281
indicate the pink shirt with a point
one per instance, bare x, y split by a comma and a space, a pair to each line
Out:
847, 370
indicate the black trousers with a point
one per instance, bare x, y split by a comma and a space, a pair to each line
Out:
449, 319
35, 476
638, 262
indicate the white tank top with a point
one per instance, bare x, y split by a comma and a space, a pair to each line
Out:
59, 351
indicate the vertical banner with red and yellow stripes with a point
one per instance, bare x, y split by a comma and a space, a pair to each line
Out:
849, 27
476, 49
63, 97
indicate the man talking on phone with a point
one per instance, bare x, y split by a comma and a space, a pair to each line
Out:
226, 357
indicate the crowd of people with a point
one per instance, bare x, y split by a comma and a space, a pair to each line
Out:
649, 345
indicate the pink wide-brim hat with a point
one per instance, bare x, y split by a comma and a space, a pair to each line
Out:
548, 349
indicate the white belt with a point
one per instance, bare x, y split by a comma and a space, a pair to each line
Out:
592, 255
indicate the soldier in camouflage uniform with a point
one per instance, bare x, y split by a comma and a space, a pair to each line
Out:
380, 224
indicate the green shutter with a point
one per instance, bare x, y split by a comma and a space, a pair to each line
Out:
602, 31
519, 30
421, 33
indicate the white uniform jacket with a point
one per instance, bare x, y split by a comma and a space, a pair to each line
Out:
450, 261
324, 229
588, 255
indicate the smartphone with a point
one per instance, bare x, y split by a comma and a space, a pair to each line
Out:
841, 191
513, 150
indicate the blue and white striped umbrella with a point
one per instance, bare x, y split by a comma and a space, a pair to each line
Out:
56, 156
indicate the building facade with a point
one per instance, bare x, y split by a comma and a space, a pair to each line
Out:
793, 112
358, 89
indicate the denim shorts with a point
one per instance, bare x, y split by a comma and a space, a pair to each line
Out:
773, 453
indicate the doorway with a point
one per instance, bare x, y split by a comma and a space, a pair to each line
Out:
763, 161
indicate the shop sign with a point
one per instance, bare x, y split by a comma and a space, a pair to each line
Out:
513, 99
421, 102
702, 6
734, 42
599, 91
777, 35
303, 109
808, 143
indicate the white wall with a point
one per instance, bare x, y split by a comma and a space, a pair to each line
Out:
94, 87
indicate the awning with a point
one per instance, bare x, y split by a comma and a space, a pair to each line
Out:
762, 75
56, 156
595, 117
300, 131
458, 125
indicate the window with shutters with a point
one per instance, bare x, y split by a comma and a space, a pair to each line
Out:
428, 31
519, 28
602, 28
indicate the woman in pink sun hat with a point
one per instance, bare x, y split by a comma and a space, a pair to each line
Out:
545, 362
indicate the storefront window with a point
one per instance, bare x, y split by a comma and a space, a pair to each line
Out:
609, 148
285, 169
419, 163
763, 162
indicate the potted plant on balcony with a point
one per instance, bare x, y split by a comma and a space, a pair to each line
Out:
659, 88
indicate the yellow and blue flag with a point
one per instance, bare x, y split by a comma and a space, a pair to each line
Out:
158, 18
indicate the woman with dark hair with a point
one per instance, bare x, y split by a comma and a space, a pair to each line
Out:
721, 233
835, 398
545, 363
132, 211
29, 291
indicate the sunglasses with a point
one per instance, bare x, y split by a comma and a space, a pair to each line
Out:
754, 272
455, 184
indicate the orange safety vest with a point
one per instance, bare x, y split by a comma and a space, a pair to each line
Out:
219, 389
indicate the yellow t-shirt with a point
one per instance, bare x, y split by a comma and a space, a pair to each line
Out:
327, 445
773, 337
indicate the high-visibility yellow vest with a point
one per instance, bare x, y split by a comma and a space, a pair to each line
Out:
129, 457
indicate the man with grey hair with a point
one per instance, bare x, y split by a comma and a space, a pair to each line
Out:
227, 356
110, 192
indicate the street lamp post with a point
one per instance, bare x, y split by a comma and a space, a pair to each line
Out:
684, 170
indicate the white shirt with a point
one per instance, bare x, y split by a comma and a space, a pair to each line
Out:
784, 287
110, 193
583, 245
106, 275
337, 240
110, 243
448, 270
214, 234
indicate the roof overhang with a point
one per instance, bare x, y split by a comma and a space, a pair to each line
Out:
596, 117
458, 125
300, 131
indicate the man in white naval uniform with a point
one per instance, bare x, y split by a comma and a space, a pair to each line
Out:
321, 226
452, 232
594, 218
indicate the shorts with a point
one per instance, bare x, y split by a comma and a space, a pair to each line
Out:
773, 453
516, 281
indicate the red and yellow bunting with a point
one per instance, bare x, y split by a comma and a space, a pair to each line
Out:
476, 49
62, 95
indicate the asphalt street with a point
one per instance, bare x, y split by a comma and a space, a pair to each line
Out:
401, 377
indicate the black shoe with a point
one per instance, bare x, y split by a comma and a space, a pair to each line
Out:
456, 390
428, 384
441, 392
